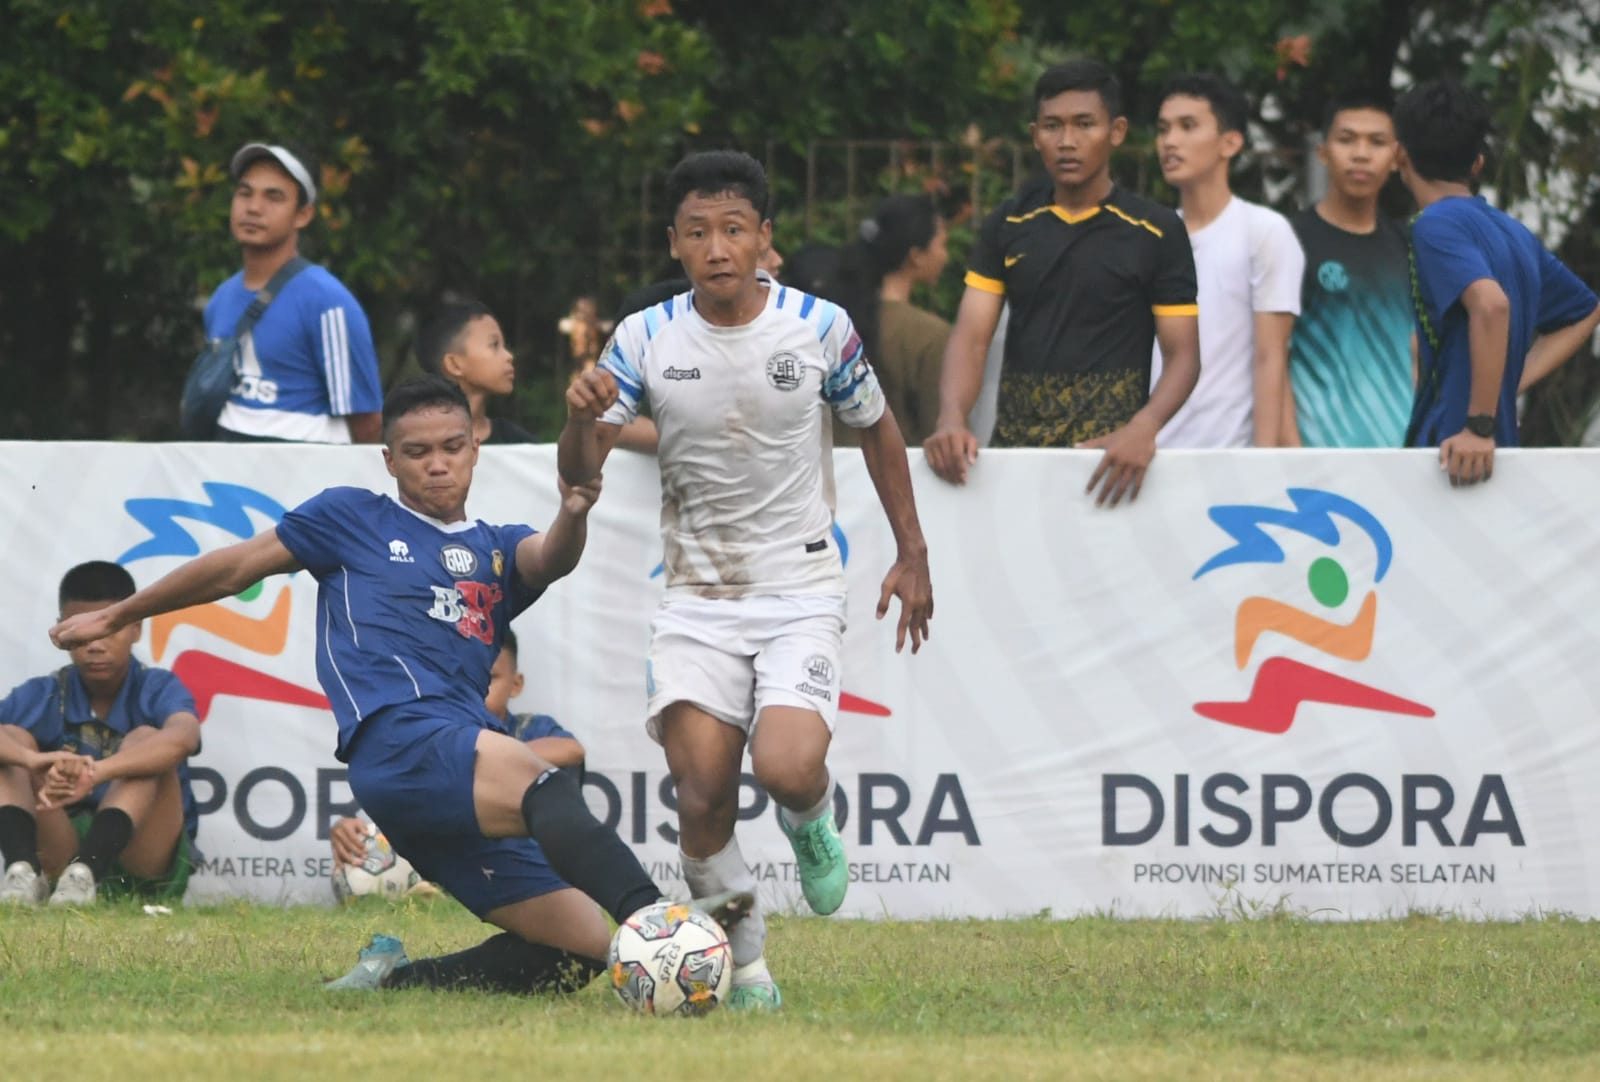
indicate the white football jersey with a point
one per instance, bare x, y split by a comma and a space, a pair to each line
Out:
742, 412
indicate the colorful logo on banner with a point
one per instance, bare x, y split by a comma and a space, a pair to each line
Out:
1281, 683
205, 674
850, 704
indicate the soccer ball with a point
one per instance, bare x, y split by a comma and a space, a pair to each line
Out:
384, 872
670, 959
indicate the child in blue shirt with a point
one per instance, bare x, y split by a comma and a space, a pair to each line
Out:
94, 782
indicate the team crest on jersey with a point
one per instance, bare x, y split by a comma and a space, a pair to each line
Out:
784, 370
459, 560
499, 563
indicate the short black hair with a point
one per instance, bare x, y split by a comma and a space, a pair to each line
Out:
1079, 75
424, 392
97, 580
510, 643
718, 172
1228, 103
442, 333
1361, 97
1444, 128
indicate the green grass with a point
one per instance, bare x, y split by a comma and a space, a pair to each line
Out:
233, 993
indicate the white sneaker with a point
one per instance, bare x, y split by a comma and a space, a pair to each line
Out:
75, 887
23, 886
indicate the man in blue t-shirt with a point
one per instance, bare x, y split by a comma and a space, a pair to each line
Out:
414, 601
1495, 311
94, 778
307, 370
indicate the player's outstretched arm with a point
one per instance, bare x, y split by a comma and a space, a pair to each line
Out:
218, 574
885, 451
546, 557
585, 440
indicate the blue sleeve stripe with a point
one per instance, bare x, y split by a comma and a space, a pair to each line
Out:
783, 291
617, 364
828, 318
627, 386
668, 306
806, 305
652, 322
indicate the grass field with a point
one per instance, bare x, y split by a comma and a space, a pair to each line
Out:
233, 993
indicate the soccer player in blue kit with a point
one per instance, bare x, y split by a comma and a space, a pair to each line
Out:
414, 601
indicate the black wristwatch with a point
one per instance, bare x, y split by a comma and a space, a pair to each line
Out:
1481, 424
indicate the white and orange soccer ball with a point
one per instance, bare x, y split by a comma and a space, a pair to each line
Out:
669, 959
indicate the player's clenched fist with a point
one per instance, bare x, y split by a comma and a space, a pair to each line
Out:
590, 394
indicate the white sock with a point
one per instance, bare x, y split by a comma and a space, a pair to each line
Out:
755, 972
802, 816
728, 871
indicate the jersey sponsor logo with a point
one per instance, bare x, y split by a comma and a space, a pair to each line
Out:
1333, 277
256, 389
784, 370
469, 606
459, 560
680, 373
400, 552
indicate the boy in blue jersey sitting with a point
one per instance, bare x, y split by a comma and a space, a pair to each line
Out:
1495, 311
414, 602
94, 786
541, 732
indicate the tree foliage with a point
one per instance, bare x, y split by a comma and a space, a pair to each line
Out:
514, 151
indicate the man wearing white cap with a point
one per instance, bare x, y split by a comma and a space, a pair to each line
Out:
307, 370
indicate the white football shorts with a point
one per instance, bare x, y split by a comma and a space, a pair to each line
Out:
732, 657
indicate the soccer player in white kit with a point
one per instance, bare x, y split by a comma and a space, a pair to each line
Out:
740, 373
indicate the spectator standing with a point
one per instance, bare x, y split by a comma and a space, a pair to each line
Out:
1249, 266
1350, 358
464, 344
1094, 275
308, 370
1495, 310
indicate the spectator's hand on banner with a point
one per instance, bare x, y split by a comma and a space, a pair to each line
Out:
1467, 458
950, 450
1128, 452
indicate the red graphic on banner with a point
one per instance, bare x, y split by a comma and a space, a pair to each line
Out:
207, 676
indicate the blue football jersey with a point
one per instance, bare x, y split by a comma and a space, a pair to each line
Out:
408, 608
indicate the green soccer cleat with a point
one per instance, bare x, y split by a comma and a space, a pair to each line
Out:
761, 996
819, 854
379, 958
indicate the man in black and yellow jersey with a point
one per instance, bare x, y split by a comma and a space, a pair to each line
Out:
1094, 275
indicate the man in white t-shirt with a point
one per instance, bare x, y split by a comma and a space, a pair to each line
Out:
740, 373
1249, 265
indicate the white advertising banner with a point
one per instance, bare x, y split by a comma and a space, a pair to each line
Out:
1326, 682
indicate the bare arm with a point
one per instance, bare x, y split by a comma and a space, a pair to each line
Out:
586, 440
215, 575
1289, 430
562, 751
1469, 458
365, 427
1271, 375
1550, 351
952, 447
545, 557
885, 452
1179, 337
177, 739
14, 752
1130, 449
639, 435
